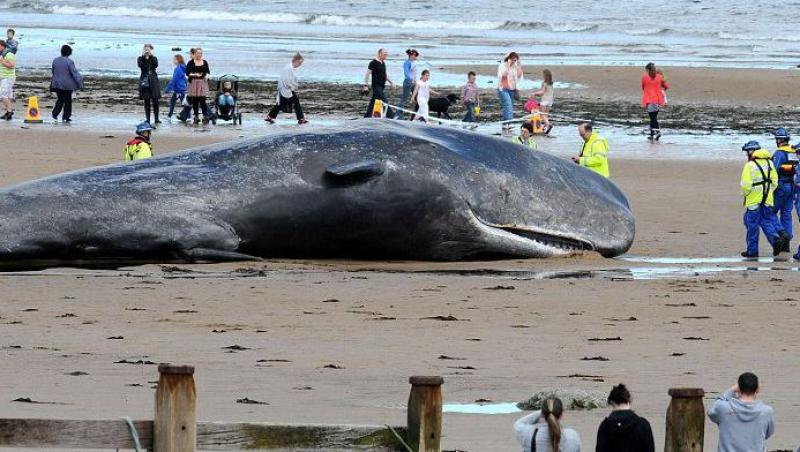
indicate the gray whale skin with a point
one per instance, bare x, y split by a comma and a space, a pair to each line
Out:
372, 189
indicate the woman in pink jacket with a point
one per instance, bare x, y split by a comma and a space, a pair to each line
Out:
653, 86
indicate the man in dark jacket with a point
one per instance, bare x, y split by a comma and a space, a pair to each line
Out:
623, 430
66, 80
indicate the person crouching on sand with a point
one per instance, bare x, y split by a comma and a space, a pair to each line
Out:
140, 148
288, 88
623, 430
525, 137
541, 431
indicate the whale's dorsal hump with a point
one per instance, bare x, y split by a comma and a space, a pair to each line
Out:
353, 173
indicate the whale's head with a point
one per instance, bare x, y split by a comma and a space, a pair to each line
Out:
471, 195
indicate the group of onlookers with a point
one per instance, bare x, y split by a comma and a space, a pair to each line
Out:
745, 423
417, 89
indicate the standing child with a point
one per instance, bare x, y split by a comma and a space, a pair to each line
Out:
470, 98
177, 85
546, 93
422, 94
12, 44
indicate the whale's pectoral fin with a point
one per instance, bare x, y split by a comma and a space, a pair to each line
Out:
353, 173
212, 255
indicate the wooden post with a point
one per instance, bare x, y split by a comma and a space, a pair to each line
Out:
425, 414
174, 427
686, 419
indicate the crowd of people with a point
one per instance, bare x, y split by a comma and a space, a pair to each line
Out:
745, 423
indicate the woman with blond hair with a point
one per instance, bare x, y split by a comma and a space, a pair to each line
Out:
541, 431
197, 71
149, 85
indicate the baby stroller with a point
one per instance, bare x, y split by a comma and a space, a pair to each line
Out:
226, 100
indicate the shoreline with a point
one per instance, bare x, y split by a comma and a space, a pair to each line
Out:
701, 99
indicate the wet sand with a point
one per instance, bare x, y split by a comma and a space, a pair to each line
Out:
267, 330
702, 99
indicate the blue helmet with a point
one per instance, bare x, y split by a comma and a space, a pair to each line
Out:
144, 127
782, 134
751, 145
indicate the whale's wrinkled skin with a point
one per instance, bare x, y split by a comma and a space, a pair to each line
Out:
374, 189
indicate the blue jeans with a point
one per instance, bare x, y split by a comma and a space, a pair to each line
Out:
764, 218
176, 97
507, 102
377, 93
784, 202
225, 100
408, 90
469, 116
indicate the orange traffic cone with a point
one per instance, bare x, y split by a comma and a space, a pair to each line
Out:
33, 116
377, 109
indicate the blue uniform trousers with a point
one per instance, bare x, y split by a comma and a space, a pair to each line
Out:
764, 218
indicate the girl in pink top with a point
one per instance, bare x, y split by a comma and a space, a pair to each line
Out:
653, 98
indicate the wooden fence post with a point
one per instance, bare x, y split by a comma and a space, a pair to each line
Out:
686, 420
175, 426
425, 414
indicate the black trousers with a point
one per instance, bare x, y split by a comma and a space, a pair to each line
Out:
150, 105
653, 120
197, 104
287, 104
63, 102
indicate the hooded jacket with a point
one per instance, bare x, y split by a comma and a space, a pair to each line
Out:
625, 431
743, 426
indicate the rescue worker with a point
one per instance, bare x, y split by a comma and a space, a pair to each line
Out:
594, 152
525, 136
785, 161
758, 182
140, 147
796, 149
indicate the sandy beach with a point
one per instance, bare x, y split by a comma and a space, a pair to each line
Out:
63, 332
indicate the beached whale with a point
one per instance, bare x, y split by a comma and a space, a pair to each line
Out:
375, 189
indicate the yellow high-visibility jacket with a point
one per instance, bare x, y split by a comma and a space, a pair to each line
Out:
759, 180
530, 144
594, 154
138, 149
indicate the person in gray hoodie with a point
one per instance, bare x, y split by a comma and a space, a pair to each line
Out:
745, 423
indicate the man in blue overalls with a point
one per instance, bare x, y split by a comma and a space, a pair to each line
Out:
758, 182
785, 161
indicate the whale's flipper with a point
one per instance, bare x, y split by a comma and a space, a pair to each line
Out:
353, 173
212, 255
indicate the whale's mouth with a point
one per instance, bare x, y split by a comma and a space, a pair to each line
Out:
550, 240
557, 243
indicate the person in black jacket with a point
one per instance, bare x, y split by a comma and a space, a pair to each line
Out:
149, 85
623, 430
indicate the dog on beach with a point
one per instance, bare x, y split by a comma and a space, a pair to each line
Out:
440, 105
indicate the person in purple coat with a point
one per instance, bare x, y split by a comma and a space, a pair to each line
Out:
66, 80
